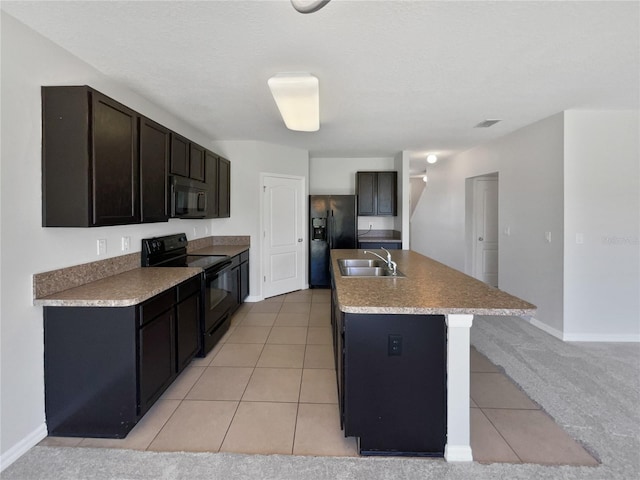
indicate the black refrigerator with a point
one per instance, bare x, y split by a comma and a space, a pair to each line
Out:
333, 224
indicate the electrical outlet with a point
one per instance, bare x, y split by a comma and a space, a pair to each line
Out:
102, 246
394, 345
547, 236
125, 244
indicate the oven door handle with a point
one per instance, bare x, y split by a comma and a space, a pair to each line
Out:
218, 269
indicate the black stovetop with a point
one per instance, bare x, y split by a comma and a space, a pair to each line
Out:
171, 251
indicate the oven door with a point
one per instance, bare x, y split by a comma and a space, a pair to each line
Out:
220, 294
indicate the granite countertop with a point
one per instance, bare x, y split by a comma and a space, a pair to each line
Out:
231, 250
374, 239
122, 290
429, 287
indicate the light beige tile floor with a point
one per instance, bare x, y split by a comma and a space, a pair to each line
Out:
269, 387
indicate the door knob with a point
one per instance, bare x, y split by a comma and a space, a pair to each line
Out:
300, 240
480, 239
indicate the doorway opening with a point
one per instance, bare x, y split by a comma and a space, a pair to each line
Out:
481, 227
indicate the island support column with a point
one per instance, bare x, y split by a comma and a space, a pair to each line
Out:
458, 446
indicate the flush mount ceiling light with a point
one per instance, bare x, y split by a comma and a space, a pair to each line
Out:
431, 158
487, 123
298, 100
308, 6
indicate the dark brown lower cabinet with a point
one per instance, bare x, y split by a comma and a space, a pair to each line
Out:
104, 367
188, 322
157, 366
392, 382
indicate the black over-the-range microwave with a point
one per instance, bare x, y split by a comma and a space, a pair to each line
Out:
188, 198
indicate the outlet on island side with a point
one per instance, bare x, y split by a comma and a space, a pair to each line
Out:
395, 345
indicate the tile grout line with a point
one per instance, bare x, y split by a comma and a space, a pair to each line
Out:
235, 412
501, 435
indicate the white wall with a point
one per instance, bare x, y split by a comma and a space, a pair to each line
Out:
602, 202
529, 162
337, 176
28, 62
251, 159
401, 221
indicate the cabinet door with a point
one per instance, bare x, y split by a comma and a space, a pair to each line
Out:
179, 155
366, 190
157, 361
196, 162
211, 175
155, 141
386, 193
224, 188
188, 327
244, 281
114, 163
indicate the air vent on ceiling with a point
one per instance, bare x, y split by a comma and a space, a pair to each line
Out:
487, 123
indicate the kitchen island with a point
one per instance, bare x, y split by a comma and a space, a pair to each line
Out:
405, 339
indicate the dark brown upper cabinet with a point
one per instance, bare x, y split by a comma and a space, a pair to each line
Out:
224, 188
179, 155
196, 162
211, 170
218, 176
155, 144
377, 193
89, 159
187, 158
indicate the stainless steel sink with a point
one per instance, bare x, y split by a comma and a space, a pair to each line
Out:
357, 267
360, 262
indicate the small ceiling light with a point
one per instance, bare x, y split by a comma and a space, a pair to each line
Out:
431, 158
487, 123
424, 178
298, 100
308, 6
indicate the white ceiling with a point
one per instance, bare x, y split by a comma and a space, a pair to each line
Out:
394, 75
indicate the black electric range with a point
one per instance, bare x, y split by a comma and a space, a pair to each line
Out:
220, 289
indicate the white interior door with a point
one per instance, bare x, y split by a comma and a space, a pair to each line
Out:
283, 235
485, 208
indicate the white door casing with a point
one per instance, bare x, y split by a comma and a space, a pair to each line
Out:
485, 228
283, 239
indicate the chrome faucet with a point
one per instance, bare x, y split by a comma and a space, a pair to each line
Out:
391, 265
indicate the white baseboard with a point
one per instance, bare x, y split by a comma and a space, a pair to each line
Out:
585, 337
20, 448
458, 453
597, 337
253, 298
546, 328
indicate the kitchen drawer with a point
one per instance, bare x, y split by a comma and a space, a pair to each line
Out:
156, 305
188, 288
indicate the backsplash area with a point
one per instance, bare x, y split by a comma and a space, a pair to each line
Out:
54, 281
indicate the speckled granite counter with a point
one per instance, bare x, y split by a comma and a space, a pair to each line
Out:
122, 290
428, 288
